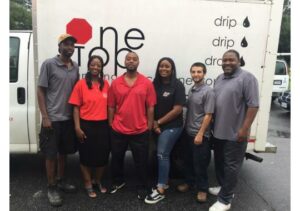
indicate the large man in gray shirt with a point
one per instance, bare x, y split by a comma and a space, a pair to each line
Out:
236, 106
57, 137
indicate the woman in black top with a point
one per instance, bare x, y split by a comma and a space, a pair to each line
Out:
168, 122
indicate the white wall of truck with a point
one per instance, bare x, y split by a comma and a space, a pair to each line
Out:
185, 30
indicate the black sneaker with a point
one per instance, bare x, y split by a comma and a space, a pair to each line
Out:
142, 193
54, 197
68, 188
154, 197
115, 188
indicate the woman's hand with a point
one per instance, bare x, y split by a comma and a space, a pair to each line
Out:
80, 135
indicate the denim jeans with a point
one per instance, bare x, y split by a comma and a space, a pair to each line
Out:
229, 156
196, 160
139, 146
165, 143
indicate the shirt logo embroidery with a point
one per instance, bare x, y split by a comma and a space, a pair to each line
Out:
104, 95
166, 94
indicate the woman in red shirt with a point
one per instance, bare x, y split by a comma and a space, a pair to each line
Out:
89, 98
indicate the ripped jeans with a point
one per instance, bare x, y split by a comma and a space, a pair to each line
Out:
165, 143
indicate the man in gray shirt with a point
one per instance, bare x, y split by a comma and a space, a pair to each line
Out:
237, 102
57, 137
200, 107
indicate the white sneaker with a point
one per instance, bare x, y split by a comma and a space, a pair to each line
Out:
214, 190
218, 206
154, 197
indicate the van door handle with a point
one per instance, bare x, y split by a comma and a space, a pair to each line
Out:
21, 95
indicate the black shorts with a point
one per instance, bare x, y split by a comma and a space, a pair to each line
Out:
94, 150
61, 138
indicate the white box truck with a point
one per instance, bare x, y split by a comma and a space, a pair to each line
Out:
185, 30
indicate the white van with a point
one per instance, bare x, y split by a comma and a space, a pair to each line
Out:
281, 79
23, 108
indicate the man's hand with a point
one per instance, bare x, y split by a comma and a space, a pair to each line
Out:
198, 139
243, 135
80, 135
46, 122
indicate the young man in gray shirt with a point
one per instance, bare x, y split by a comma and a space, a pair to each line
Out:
200, 107
57, 137
236, 106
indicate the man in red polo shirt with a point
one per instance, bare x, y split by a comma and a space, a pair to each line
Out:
131, 100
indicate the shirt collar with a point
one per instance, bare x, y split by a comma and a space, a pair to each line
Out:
59, 62
198, 87
124, 82
235, 74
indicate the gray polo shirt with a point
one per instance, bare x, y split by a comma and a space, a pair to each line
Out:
234, 94
59, 82
201, 101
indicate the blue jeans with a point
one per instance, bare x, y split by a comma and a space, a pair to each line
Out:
196, 161
165, 144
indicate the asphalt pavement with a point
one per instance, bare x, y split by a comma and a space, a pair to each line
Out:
262, 186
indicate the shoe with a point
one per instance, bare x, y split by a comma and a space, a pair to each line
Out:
142, 193
183, 188
154, 197
99, 186
54, 196
201, 197
218, 206
115, 188
90, 192
68, 188
214, 190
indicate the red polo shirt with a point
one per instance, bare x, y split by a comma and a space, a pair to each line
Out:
92, 102
130, 104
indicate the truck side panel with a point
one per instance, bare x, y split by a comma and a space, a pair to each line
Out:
198, 31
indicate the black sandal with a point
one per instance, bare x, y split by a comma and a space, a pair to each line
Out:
90, 192
100, 187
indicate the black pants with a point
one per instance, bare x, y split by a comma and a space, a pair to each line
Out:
229, 156
139, 145
196, 161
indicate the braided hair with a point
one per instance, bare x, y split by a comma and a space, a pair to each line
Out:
88, 76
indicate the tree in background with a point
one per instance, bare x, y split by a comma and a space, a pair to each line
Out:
20, 15
285, 32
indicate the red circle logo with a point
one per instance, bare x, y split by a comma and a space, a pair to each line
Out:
80, 29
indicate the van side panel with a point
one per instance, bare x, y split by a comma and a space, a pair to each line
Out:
18, 92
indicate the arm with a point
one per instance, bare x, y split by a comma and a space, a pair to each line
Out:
244, 130
177, 110
41, 93
205, 123
150, 117
111, 114
80, 134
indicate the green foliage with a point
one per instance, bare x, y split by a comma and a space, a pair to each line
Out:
285, 37
20, 16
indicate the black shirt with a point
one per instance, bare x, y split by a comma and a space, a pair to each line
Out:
167, 97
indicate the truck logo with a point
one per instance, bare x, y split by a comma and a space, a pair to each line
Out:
80, 29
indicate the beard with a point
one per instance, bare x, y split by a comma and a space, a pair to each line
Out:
131, 70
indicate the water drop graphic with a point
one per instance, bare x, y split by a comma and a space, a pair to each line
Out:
246, 22
242, 62
244, 43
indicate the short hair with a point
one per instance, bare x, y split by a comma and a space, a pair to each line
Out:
235, 52
130, 51
199, 64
